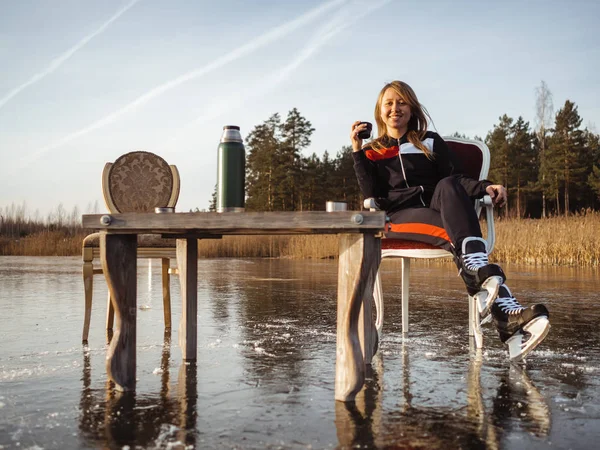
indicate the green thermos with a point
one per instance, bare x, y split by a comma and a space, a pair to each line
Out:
231, 171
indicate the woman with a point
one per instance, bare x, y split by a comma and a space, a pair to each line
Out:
414, 177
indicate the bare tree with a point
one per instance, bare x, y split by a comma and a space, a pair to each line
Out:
61, 215
543, 118
74, 219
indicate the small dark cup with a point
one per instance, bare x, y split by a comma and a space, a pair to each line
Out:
366, 133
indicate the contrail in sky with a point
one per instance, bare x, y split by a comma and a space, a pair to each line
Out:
233, 55
342, 20
57, 62
338, 24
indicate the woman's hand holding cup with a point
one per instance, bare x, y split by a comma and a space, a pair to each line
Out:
360, 131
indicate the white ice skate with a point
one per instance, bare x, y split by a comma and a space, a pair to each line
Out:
522, 329
528, 338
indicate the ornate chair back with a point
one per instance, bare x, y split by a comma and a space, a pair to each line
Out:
139, 182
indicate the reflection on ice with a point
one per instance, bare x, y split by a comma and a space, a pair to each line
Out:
266, 363
482, 421
120, 419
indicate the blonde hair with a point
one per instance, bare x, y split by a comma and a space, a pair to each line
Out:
417, 125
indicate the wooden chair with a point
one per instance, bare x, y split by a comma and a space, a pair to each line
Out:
136, 182
475, 159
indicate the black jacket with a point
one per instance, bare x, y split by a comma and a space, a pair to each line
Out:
407, 178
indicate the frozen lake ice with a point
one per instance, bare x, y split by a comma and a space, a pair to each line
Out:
266, 363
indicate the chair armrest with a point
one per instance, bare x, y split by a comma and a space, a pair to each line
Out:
369, 203
486, 202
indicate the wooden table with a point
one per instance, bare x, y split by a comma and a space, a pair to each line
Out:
359, 258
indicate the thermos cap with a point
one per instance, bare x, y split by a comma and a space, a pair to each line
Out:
231, 133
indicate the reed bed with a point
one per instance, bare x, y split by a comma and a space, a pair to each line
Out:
44, 243
301, 247
565, 241
572, 241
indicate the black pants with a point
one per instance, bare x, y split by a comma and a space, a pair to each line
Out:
449, 219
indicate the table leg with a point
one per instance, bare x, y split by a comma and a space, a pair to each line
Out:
359, 258
187, 262
187, 392
118, 253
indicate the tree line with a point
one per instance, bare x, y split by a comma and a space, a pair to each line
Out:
552, 169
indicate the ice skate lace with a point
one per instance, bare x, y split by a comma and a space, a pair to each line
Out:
473, 261
509, 305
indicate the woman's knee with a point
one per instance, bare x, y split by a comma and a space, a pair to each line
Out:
448, 190
448, 183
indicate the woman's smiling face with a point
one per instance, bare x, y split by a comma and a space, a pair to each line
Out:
395, 113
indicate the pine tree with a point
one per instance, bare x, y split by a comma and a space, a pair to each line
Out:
295, 136
326, 174
310, 183
345, 182
262, 146
592, 145
500, 166
274, 163
523, 161
566, 150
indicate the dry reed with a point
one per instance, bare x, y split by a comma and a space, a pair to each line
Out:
44, 243
565, 241
316, 246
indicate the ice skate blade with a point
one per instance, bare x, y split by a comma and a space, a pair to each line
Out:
538, 329
478, 337
489, 291
475, 322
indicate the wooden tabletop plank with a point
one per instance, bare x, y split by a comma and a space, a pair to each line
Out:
305, 222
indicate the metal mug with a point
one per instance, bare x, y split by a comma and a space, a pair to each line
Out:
331, 206
366, 133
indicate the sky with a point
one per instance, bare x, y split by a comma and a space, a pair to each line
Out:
83, 82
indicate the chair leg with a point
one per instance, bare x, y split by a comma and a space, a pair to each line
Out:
405, 290
378, 297
166, 289
88, 287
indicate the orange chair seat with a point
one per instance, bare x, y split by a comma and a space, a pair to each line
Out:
405, 244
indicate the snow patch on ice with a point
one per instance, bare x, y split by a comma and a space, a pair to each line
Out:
214, 344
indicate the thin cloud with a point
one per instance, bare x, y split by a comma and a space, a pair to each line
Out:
57, 62
343, 19
338, 24
233, 55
